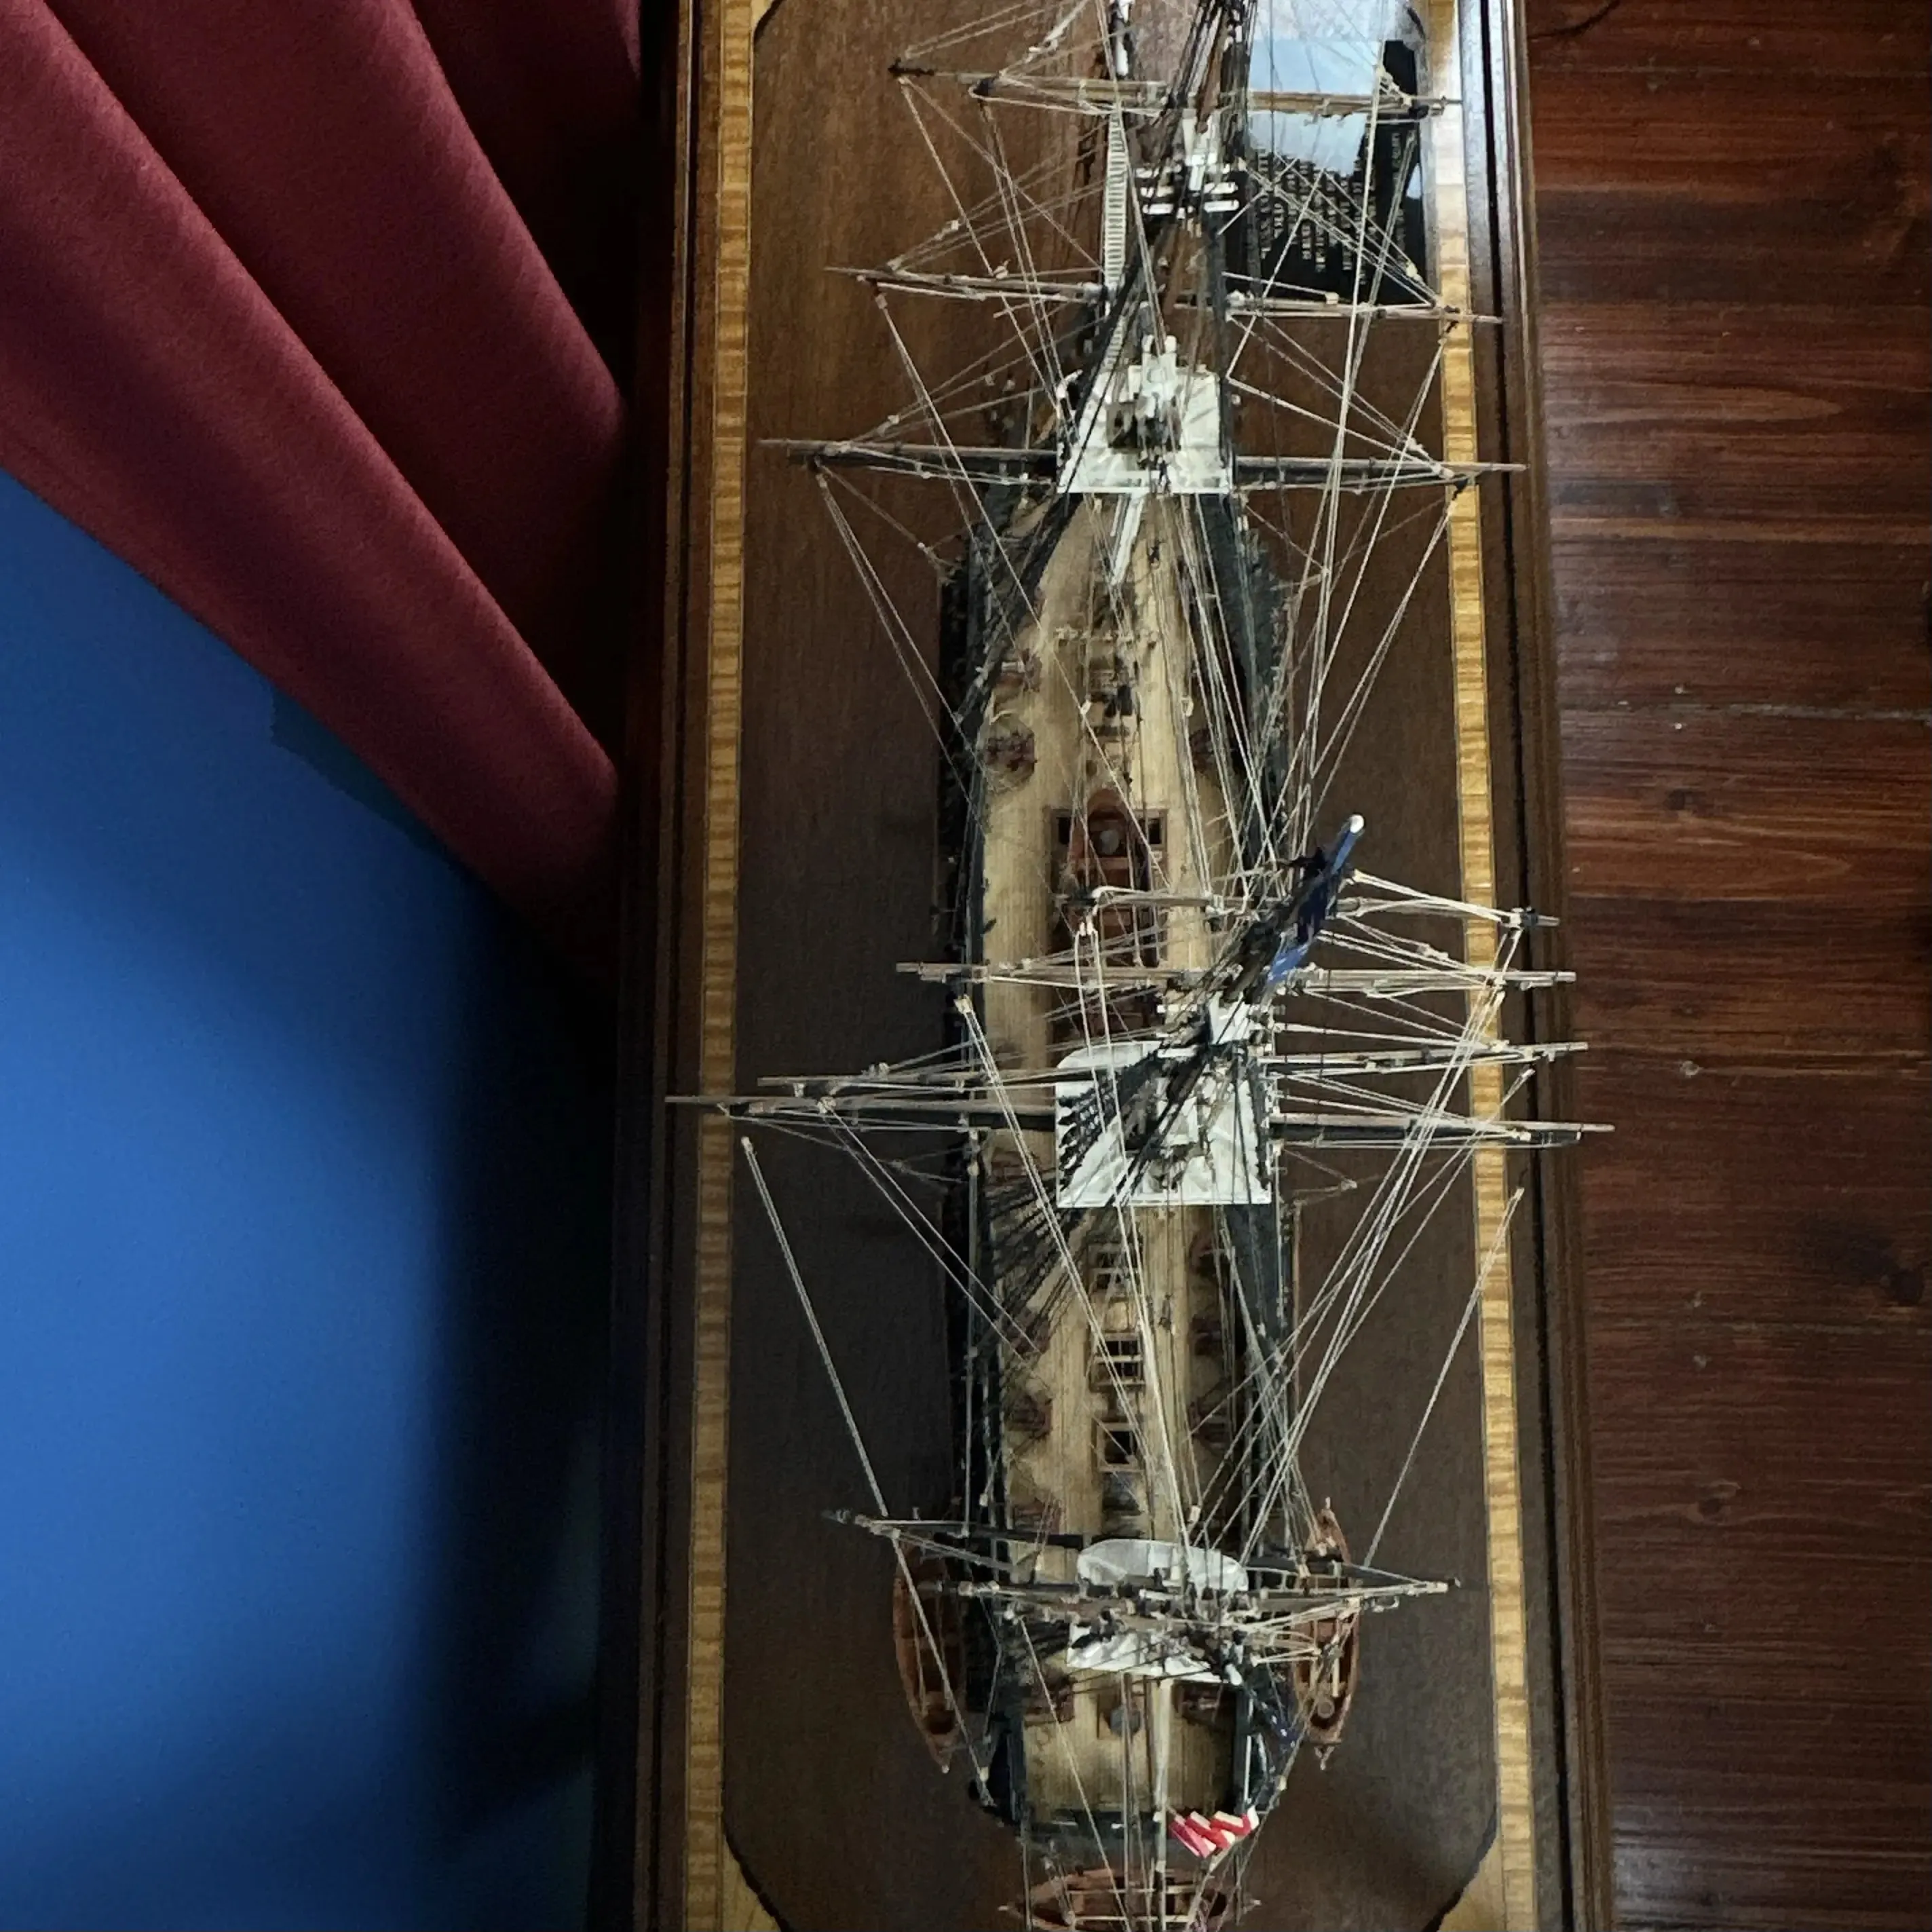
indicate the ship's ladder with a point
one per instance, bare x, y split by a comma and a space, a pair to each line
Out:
1114, 207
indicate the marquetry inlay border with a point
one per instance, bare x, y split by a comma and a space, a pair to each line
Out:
1505, 1893
718, 270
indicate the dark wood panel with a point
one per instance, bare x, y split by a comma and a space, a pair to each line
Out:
1715, 187
1793, 1196
1771, 1448
1709, 1846
1755, 985
1718, 806
1872, 39
1791, 411
1779, 1491
1717, 139
1813, 626
1732, 200
1797, 1687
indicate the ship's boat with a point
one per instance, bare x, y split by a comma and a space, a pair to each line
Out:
1193, 504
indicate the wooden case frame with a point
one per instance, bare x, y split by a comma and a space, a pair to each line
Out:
660, 1858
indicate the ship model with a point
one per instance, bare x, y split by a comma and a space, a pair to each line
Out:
1191, 510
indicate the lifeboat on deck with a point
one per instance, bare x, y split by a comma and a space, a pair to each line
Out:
1324, 1683
927, 1641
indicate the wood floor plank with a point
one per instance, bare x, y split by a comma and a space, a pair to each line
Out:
1755, 985
1781, 1469
1732, 201
1713, 805
1706, 1846
1723, 409
1808, 626
1770, 1449
1766, 1197
1864, 39
1715, 187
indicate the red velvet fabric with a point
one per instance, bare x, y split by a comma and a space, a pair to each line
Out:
272, 329
550, 90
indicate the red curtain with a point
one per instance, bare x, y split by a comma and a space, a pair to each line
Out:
309, 313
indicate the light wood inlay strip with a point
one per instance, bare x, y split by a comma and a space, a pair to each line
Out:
719, 362
1513, 1866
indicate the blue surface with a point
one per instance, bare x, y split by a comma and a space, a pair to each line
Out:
303, 1216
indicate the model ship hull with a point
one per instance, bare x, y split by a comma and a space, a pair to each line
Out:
1109, 1389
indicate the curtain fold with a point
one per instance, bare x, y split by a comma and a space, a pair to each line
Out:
550, 90
273, 330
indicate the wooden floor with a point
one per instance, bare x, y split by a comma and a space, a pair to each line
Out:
1732, 204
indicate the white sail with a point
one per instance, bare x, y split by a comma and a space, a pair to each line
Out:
1116, 1561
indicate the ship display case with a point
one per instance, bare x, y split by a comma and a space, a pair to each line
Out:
961, 879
